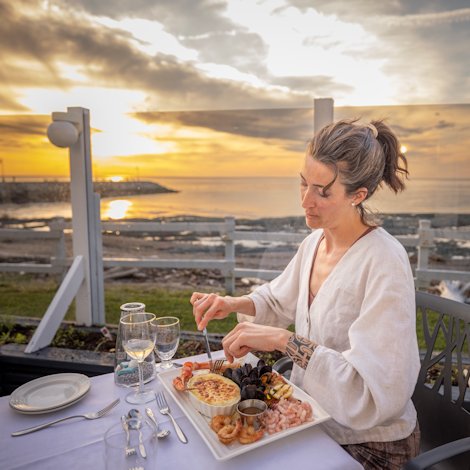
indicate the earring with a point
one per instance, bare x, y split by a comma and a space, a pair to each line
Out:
352, 204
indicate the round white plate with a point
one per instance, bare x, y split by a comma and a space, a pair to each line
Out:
49, 393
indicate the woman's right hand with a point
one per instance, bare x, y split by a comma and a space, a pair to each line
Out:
207, 307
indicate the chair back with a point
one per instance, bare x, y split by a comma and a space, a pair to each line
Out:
442, 393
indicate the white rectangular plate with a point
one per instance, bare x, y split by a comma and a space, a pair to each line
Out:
201, 423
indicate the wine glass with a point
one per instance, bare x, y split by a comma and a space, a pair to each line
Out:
138, 339
168, 338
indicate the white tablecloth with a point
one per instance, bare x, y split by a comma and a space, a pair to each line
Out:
78, 444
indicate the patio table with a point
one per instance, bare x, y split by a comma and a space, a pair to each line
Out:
78, 444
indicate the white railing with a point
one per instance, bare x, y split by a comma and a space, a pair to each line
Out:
424, 241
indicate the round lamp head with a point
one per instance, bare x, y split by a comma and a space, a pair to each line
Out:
62, 133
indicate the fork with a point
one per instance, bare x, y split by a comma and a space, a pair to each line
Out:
95, 415
217, 366
208, 348
128, 450
165, 410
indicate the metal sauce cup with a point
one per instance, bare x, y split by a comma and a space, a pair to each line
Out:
250, 412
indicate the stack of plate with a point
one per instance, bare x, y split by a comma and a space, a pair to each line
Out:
49, 393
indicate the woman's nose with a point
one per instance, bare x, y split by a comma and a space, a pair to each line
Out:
307, 198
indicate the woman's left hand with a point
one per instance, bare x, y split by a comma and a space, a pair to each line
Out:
247, 336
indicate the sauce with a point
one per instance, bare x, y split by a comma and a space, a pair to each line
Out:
251, 410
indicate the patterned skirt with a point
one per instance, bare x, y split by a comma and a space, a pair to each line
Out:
386, 455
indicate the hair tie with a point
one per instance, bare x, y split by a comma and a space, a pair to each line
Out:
373, 129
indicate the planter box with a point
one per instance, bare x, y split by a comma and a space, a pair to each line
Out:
17, 368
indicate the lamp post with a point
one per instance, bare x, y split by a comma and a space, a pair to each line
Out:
84, 279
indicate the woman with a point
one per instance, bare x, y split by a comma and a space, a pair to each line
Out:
349, 291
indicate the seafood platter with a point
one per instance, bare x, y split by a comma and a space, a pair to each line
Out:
241, 407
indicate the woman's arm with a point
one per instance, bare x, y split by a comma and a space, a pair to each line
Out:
248, 336
300, 350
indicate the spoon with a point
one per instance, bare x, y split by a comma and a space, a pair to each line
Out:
164, 432
134, 422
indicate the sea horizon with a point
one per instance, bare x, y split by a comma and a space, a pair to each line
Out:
241, 197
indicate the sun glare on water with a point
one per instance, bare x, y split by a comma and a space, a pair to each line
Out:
116, 209
116, 179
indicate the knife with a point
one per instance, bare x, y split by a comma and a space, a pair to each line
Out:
143, 453
208, 349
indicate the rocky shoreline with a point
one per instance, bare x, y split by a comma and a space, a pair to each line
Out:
55, 191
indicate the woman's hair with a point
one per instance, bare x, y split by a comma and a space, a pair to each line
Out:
363, 156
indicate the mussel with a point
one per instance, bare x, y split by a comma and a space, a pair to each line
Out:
264, 369
237, 376
247, 368
246, 381
251, 380
254, 373
248, 392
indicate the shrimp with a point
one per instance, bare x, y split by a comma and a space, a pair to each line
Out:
219, 421
187, 372
228, 433
248, 435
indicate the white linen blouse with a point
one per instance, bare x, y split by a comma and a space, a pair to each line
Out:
363, 319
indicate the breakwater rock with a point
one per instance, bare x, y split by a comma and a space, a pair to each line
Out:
54, 191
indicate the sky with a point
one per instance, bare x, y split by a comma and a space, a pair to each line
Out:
144, 68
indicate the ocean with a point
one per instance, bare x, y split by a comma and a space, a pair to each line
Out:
253, 198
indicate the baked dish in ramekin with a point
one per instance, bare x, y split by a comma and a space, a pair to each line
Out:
213, 394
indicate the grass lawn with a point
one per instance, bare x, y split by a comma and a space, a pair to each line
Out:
26, 295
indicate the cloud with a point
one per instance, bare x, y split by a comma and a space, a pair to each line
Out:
432, 19
293, 125
17, 126
9, 103
108, 58
61, 44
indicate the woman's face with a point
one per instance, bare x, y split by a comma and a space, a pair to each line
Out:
323, 209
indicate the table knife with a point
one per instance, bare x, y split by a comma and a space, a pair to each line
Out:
143, 453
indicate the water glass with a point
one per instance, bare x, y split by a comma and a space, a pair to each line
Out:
168, 338
115, 442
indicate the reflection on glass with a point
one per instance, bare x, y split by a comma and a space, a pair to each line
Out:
117, 209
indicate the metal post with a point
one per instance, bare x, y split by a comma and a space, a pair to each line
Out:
323, 110
426, 242
83, 210
99, 313
84, 280
229, 256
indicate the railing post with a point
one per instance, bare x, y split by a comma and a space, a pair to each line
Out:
323, 112
229, 255
98, 314
426, 242
59, 259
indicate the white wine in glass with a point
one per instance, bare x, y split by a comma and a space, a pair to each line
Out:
138, 339
168, 338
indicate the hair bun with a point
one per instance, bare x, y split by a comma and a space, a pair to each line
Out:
373, 129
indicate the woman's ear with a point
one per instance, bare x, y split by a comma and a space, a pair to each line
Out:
359, 196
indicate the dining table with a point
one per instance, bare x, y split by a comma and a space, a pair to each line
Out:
79, 444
